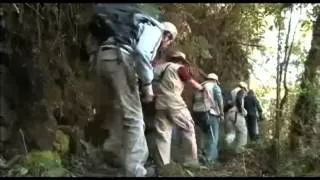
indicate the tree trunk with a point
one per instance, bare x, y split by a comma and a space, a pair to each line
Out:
307, 109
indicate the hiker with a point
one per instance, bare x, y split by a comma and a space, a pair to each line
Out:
254, 110
118, 63
236, 129
172, 110
149, 107
208, 111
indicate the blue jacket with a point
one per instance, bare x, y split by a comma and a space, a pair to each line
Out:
252, 105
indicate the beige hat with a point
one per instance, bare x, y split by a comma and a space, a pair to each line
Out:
213, 76
243, 85
178, 54
168, 26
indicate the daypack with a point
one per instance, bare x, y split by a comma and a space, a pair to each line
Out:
129, 26
158, 79
149, 109
227, 101
114, 20
202, 101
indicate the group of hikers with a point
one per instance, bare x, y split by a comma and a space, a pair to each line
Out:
137, 66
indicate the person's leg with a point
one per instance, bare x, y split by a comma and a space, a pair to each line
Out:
214, 138
127, 94
150, 134
108, 119
182, 118
175, 144
162, 138
241, 133
230, 129
254, 128
201, 120
249, 123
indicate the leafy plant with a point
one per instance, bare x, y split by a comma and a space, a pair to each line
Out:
44, 163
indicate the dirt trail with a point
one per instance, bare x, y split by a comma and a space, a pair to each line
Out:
250, 163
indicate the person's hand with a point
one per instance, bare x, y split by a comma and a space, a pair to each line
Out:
147, 98
148, 94
261, 117
221, 117
244, 112
91, 62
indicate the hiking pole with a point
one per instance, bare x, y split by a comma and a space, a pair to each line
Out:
211, 131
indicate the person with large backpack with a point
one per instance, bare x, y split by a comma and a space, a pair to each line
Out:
172, 110
253, 107
236, 128
208, 110
127, 42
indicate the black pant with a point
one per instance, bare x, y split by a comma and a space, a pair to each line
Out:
252, 125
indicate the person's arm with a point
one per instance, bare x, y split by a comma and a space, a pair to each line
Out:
144, 68
195, 84
186, 77
240, 102
145, 73
218, 96
147, 47
92, 47
258, 107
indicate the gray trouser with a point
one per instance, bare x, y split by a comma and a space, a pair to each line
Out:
113, 82
236, 126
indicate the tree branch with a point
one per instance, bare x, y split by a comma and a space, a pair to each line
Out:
246, 44
286, 64
16, 7
39, 28
37, 12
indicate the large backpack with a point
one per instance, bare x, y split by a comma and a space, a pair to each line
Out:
129, 26
202, 101
114, 20
227, 100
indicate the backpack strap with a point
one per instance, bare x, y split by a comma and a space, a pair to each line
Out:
206, 93
163, 72
235, 117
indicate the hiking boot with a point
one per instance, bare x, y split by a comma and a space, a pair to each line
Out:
151, 172
240, 150
216, 164
203, 161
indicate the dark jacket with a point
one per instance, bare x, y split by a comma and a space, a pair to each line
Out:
252, 105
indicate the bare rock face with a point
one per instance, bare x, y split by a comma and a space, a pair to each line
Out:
40, 127
8, 88
44, 82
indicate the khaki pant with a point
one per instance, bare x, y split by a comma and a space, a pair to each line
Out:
112, 82
164, 122
236, 130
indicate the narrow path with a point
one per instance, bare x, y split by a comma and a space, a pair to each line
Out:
246, 164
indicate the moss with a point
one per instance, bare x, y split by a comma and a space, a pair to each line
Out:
40, 163
38, 157
52, 94
61, 143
